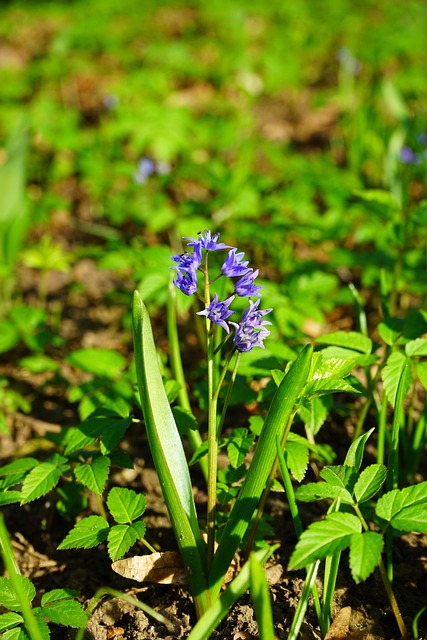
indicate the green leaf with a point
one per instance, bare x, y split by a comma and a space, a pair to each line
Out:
398, 367
405, 509
8, 597
185, 420
9, 497
297, 459
43, 478
340, 476
322, 491
39, 363
315, 414
324, 538
355, 452
18, 466
94, 474
110, 428
380, 197
390, 330
369, 482
66, 611
55, 595
126, 505
87, 533
327, 375
416, 347
365, 553
102, 363
421, 368
279, 414
42, 625
261, 599
239, 446
9, 336
15, 634
122, 536
347, 339
10, 620
168, 454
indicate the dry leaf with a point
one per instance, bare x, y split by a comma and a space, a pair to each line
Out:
163, 568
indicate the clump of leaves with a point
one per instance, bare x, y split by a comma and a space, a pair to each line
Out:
126, 507
57, 606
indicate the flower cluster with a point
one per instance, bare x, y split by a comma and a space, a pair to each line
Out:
251, 331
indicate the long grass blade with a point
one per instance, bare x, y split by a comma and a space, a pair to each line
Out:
264, 456
168, 455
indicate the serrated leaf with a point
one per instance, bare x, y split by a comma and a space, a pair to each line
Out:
339, 475
10, 620
93, 475
42, 625
185, 420
365, 553
18, 466
9, 497
87, 533
369, 482
103, 363
43, 478
297, 459
15, 634
390, 330
55, 595
398, 368
405, 509
324, 538
8, 597
120, 539
239, 446
416, 347
68, 612
355, 451
110, 428
126, 505
322, 491
348, 339
121, 459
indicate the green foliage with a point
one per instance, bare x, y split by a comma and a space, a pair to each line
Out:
125, 507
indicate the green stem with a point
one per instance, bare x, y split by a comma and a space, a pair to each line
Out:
193, 436
263, 500
229, 388
11, 566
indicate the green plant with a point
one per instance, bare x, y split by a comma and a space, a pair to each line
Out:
351, 489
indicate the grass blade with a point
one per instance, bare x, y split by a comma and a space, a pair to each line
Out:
168, 455
263, 460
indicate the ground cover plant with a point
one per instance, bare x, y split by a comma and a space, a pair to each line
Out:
213, 330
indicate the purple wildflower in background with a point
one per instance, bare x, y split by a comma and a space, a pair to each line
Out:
146, 168
246, 286
218, 312
408, 156
233, 265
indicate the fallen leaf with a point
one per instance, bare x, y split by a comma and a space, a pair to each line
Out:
163, 568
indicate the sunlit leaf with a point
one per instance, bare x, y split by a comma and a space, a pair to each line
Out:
43, 478
93, 474
125, 504
396, 371
365, 553
8, 597
122, 536
87, 533
324, 538
369, 482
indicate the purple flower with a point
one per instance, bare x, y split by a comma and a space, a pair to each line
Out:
186, 281
206, 241
233, 265
252, 316
247, 337
146, 168
245, 286
218, 312
186, 261
408, 156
